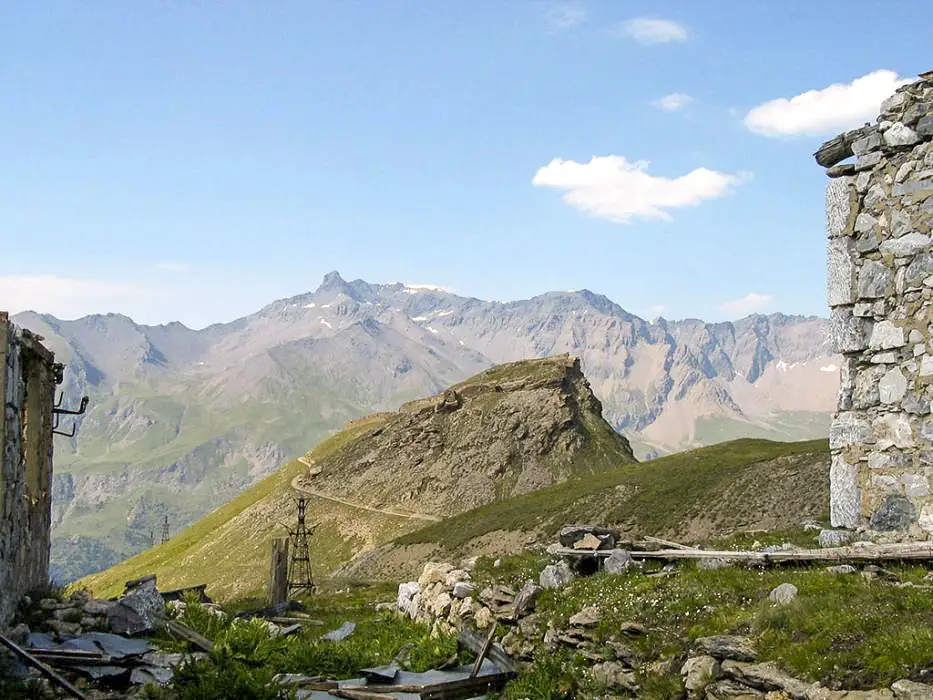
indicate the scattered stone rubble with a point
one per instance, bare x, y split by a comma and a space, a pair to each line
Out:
112, 629
722, 667
879, 213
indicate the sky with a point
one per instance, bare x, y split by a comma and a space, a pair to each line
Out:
193, 160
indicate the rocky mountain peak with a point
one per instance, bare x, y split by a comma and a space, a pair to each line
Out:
509, 430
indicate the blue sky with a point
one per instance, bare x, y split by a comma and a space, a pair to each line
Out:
193, 159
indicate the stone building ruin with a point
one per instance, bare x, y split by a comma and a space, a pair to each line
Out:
879, 214
27, 385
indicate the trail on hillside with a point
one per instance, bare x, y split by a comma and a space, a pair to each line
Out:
385, 511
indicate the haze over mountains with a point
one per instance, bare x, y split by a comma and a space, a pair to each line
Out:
181, 420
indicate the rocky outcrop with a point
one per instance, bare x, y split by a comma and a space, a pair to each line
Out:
510, 430
879, 214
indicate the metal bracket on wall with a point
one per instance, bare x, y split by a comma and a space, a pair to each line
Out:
59, 411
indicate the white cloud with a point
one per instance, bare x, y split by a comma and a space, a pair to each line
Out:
64, 297
609, 187
565, 15
748, 304
673, 102
835, 108
646, 30
171, 266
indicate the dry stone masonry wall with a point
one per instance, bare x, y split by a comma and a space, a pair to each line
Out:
28, 377
879, 214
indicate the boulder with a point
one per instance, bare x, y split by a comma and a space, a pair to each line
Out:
587, 617
910, 690
730, 690
783, 594
612, 674
727, 646
405, 593
617, 562
698, 672
555, 576
434, 572
141, 611
463, 589
571, 534
767, 676
527, 598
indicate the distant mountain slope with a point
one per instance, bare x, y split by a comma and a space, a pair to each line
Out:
183, 420
508, 431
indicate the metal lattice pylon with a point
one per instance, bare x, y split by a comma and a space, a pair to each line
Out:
299, 568
165, 530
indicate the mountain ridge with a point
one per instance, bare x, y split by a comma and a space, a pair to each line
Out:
226, 401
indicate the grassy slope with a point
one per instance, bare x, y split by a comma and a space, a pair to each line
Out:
228, 548
744, 483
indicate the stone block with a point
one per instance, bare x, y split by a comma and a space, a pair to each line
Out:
840, 271
844, 497
847, 333
849, 428
894, 513
893, 430
892, 387
907, 245
874, 280
900, 135
886, 335
838, 207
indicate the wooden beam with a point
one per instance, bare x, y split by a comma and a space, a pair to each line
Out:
58, 680
475, 642
912, 551
839, 148
278, 575
189, 635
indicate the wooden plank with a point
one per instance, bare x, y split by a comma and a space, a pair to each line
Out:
278, 575
189, 635
911, 551
666, 543
474, 641
483, 651
467, 688
352, 694
58, 680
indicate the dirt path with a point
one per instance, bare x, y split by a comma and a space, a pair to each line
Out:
360, 506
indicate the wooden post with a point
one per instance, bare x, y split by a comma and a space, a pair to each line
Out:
278, 580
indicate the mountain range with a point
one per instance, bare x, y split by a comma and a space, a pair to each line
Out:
182, 420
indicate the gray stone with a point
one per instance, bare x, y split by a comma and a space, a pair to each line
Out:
866, 144
555, 576
587, 617
712, 563
617, 562
920, 268
572, 535
911, 690
405, 593
885, 335
698, 672
841, 569
900, 223
835, 538
894, 513
875, 196
727, 646
463, 589
840, 271
900, 135
915, 405
904, 171
915, 486
874, 279
892, 387
868, 161
837, 207
527, 598
925, 127
783, 594
141, 611
341, 633
892, 430
847, 333
844, 497
907, 245
915, 336
884, 358
766, 676
98, 607
849, 428
864, 223
613, 675
843, 170
926, 366
893, 103
866, 243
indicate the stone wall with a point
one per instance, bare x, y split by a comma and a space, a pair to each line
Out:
28, 377
879, 214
